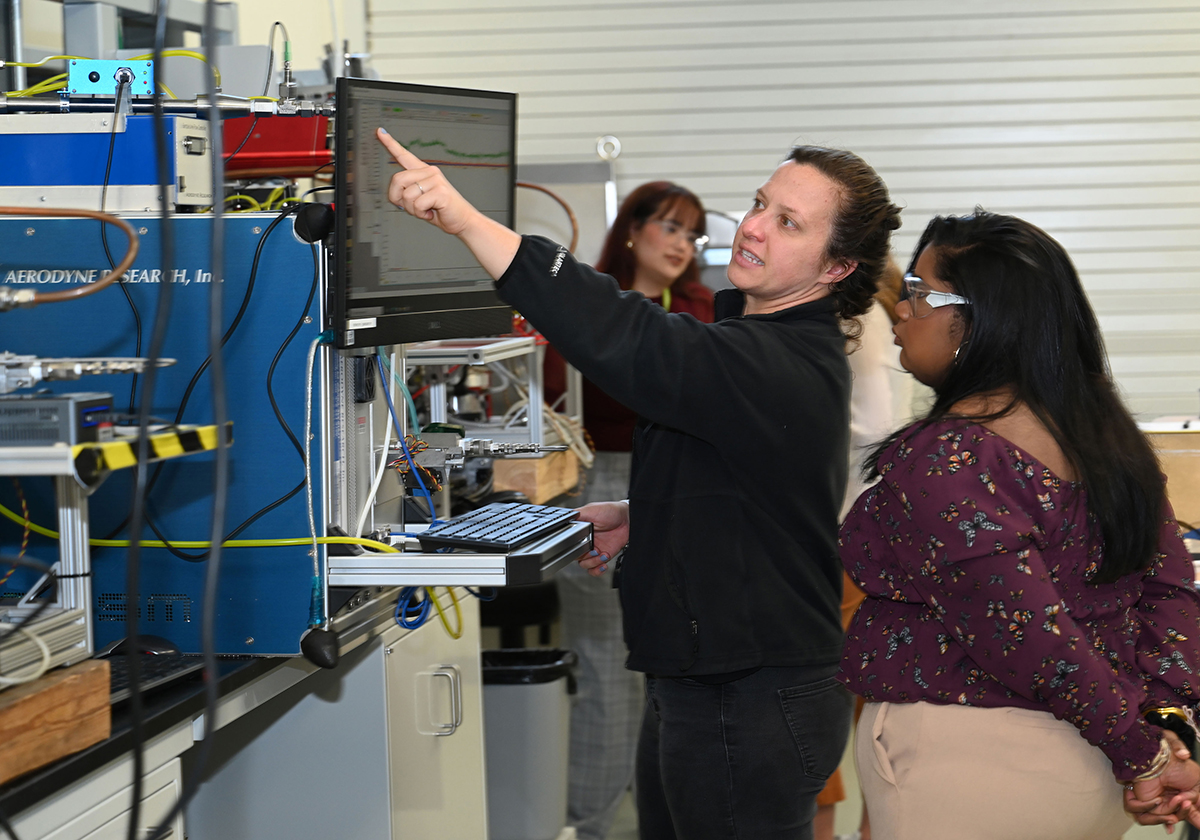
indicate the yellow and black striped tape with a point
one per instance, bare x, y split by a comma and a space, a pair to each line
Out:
94, 460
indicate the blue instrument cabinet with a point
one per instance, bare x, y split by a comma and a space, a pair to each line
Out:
264, 591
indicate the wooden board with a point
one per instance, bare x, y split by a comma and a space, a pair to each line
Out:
540, 479
64, 712
1179, 455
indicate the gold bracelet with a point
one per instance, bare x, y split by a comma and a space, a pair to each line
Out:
1158, 765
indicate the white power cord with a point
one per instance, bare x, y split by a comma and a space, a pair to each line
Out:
383, 459
39, 669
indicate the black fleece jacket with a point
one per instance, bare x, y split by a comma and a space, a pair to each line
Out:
739, 464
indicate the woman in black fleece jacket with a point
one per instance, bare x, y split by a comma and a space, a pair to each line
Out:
730, 579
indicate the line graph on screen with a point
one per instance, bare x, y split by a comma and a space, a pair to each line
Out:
440, 153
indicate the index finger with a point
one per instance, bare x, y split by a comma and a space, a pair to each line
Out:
402, 155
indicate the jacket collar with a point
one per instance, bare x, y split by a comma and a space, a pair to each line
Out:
730, 303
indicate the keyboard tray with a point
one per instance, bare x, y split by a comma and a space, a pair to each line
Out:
498, 528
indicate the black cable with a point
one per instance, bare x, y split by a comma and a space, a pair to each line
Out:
51, 597
254, 517
191, 386
112, 142
249, 134
271, 53
237, 319
220, 413
137, 325
187, 394
221, 454
312, 292
317, 189
140, 487
137, 316
266, 84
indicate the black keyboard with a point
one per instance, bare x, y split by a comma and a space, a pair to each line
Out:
157, 671
498, 528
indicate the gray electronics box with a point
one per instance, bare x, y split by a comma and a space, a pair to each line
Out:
47, 419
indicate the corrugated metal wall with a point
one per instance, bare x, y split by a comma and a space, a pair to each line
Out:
1080, 115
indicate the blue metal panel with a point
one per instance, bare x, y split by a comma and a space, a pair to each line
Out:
79, 159
264, 592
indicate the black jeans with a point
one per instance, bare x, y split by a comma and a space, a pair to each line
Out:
744, 759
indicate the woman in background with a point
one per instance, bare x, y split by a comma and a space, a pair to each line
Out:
651, 249
1028, 595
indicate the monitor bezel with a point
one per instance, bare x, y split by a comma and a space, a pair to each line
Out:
471, 314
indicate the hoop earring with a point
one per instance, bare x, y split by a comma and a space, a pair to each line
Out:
958, 349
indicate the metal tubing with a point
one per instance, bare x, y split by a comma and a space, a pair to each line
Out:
17, 49
533, 382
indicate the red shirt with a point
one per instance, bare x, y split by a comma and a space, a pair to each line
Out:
609, 422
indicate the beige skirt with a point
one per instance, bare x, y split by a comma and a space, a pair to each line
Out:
931, 772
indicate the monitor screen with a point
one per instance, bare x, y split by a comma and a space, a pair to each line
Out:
397, 278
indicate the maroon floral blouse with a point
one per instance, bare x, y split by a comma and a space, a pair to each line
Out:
977, 563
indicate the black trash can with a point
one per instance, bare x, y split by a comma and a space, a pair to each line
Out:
526, 716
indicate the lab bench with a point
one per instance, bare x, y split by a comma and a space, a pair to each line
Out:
389, 744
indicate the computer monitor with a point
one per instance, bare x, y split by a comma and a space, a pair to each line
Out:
397, 278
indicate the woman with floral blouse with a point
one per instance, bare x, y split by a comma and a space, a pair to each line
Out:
1028, 594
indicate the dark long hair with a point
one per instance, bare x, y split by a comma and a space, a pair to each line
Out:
862, 230
1029, 328
653, 200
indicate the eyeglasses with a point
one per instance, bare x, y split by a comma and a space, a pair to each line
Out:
924, 300
673, 230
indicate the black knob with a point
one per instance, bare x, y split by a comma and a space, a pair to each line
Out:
93, 77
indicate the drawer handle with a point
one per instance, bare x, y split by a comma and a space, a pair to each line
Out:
451, 673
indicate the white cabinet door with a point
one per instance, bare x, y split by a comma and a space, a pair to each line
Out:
109, 820
435, 728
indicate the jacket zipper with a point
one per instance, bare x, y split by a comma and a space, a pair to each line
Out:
695, 646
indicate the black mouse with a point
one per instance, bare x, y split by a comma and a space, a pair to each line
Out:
148, 644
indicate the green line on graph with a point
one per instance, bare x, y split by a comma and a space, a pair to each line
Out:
422, 144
